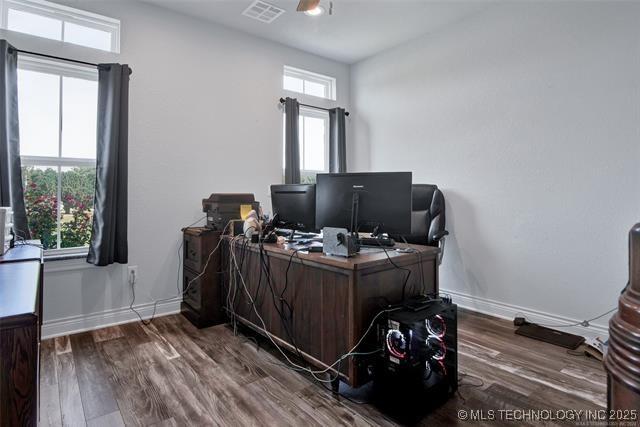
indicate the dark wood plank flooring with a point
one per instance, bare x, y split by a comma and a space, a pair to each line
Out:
171, 374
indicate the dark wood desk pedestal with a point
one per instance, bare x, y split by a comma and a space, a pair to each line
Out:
20, 323
333, 299
623, 358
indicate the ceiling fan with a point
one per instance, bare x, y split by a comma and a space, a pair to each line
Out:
310, 5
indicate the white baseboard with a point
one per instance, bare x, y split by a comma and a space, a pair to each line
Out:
76, 324
508, 311
82, 323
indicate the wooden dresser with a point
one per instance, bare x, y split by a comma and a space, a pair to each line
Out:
20, 322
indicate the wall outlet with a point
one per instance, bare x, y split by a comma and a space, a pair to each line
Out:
132, 274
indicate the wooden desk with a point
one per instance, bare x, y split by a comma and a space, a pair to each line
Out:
333, 299
20, 323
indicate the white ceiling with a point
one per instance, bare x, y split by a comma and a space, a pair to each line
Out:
356, 30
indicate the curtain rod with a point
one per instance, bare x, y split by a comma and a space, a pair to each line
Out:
282, 101
56, 57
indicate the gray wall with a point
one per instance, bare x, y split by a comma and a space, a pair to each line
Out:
204, 118
528, 117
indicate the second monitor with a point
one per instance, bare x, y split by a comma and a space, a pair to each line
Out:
295, 206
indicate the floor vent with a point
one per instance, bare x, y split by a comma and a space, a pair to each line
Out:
263, 12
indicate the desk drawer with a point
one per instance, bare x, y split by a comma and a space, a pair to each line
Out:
193, 294
194, 256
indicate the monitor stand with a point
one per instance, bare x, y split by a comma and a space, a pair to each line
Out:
355, 205
355, 202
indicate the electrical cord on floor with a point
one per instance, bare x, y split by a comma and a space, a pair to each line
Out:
584, 323
463, 375
180, 293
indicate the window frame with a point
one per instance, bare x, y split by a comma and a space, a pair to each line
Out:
65, 14
309, 76
61, 69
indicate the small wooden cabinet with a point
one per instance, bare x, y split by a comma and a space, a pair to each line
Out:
20, 323
202, 300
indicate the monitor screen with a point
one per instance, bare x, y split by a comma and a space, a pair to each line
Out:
295, 206
384, 201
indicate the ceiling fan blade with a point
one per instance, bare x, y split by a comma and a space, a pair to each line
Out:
306, 5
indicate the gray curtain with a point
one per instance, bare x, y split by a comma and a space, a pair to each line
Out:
11, 192
109, 233
337, 141
291, 142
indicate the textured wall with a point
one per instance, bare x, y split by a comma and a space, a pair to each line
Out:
204, 118
528, 117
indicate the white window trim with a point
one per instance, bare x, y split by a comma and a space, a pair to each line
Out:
67, 69
313, 112
327, 81
60, 68
64, 14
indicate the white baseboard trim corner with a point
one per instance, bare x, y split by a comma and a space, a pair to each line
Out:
82, 323
508, 311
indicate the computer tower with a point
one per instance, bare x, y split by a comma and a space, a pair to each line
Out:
417, 368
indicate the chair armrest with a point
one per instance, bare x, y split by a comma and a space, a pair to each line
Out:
438, 236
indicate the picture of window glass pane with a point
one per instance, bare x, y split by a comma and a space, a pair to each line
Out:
38, 109
40, 197
79, 107
87, 36
36, 25
301, 141
314, 143
315, 89
293, 84
76, 205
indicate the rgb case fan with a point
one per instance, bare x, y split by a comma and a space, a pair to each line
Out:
419, 359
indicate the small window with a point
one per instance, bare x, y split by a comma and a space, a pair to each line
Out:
58, 117
309, 83
53, 21
313, 135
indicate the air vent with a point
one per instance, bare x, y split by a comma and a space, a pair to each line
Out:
263, 12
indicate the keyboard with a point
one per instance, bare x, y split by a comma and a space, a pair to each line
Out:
377, 241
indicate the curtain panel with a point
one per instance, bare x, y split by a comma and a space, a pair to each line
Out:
109, 233
11, 191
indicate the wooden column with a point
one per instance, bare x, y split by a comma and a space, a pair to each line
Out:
623, 358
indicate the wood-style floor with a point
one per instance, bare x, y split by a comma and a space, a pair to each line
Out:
170, 373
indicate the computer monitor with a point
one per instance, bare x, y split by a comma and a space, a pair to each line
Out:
295, 206
383, 198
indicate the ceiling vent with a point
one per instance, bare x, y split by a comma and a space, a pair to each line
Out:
263, 12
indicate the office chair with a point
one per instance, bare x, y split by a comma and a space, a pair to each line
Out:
427, 218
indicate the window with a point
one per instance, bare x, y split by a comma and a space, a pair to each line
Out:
57, 108
313, 134
53, 21
301, 81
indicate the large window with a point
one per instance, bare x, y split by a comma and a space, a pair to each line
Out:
58, 114
313, 134
57, 22
309, 83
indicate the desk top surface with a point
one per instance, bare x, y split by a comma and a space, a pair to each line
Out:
368, 257
23, 252
19, 283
